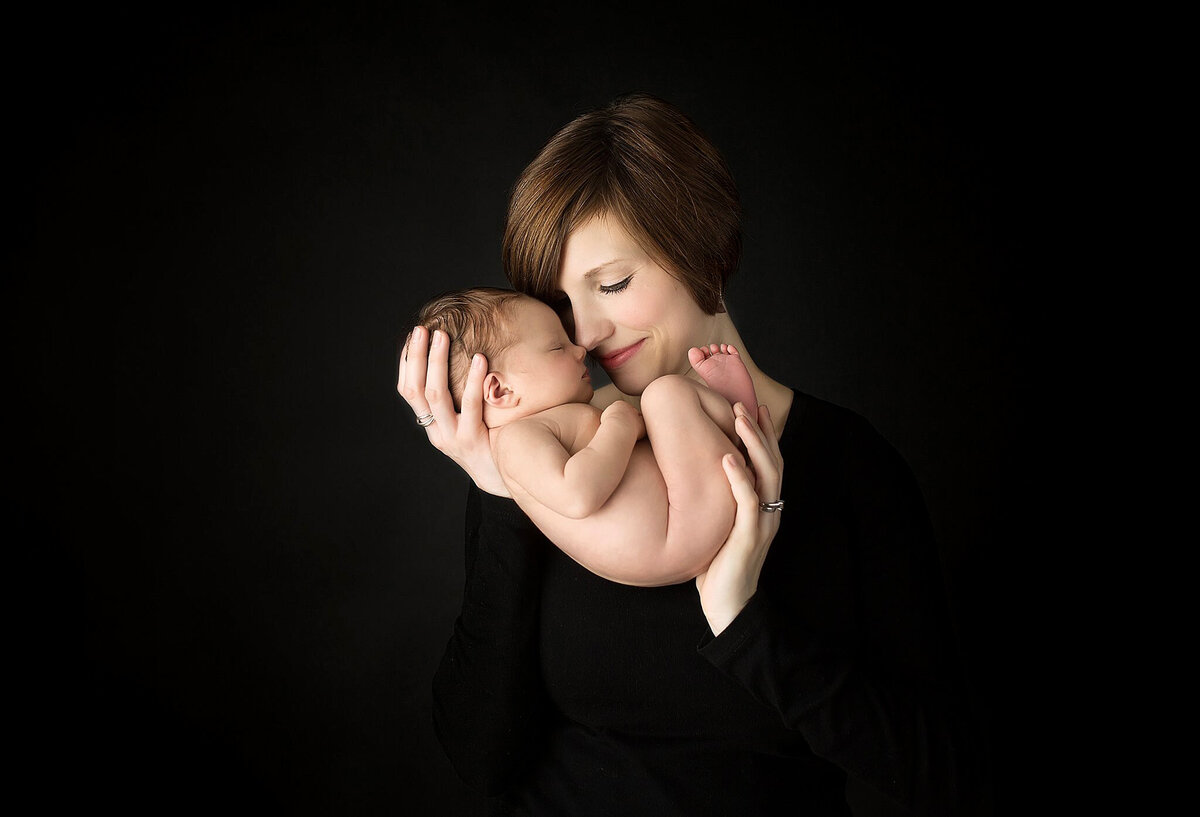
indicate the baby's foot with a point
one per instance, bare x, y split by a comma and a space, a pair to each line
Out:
724, 372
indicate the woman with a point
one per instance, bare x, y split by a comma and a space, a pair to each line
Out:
815, 664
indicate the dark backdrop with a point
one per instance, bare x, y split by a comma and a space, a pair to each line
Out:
238, 559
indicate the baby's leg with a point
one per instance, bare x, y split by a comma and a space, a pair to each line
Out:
722, 369
690, 428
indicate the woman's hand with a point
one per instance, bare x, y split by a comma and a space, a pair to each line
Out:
424, 384
732, 577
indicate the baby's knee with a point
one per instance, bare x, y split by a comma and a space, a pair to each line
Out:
668, 391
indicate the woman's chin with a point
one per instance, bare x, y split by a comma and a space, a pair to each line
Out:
629, 383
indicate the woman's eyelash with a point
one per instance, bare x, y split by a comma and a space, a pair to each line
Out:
608, 289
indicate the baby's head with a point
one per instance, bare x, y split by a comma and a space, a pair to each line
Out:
477, 320
532, 363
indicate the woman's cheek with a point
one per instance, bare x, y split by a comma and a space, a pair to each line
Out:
644, 316
651, 309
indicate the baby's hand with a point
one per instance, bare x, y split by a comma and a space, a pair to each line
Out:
622, 412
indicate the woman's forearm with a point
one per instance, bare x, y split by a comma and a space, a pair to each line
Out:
908, 738
885, 699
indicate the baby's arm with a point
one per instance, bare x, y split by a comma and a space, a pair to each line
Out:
531, 455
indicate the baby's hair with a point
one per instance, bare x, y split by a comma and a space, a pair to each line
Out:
475, 321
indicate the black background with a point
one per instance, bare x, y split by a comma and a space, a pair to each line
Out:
238, 558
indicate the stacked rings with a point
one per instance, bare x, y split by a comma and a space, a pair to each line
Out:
771, 507
424, 420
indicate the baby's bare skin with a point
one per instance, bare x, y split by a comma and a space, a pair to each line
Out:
671, 508
723, 371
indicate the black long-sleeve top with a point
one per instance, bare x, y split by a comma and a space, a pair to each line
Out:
561, 693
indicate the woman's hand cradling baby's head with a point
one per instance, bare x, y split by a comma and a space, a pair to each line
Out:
423, 382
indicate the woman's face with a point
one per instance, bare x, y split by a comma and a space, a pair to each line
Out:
633, 317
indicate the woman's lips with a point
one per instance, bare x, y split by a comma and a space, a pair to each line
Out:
614, 360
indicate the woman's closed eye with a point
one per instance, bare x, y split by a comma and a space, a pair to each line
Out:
609, 289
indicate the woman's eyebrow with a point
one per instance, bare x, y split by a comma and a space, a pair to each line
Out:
594, 271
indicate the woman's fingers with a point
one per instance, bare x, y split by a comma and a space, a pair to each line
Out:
437, 388
423, 383
740, 411
766, 428
732, 576
412, 371
742, 534
772, 439
746, 517
472, 399
762, 449
403, 361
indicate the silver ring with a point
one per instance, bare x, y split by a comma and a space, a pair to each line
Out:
424, 420
771, 507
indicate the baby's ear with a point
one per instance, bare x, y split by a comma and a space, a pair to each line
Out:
497, 393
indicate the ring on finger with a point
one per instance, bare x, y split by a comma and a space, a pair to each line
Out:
424, 420
771, 507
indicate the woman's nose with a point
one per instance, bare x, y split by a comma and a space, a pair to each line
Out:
589, 328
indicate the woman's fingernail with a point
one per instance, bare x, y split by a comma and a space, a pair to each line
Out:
437, 337
477, 362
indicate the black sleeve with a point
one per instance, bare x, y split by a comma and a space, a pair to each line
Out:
887, 705
488, 700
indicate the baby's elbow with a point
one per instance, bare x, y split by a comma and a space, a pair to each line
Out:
579, 507
577, 501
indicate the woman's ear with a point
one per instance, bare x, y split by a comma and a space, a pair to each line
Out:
498, 393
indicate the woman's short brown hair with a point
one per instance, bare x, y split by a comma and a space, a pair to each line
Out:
475, 320
640, 160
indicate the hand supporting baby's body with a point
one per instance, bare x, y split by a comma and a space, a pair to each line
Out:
641, 504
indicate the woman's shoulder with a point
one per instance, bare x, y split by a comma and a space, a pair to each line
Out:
820, 430
836, 459
812, 415
843, 438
